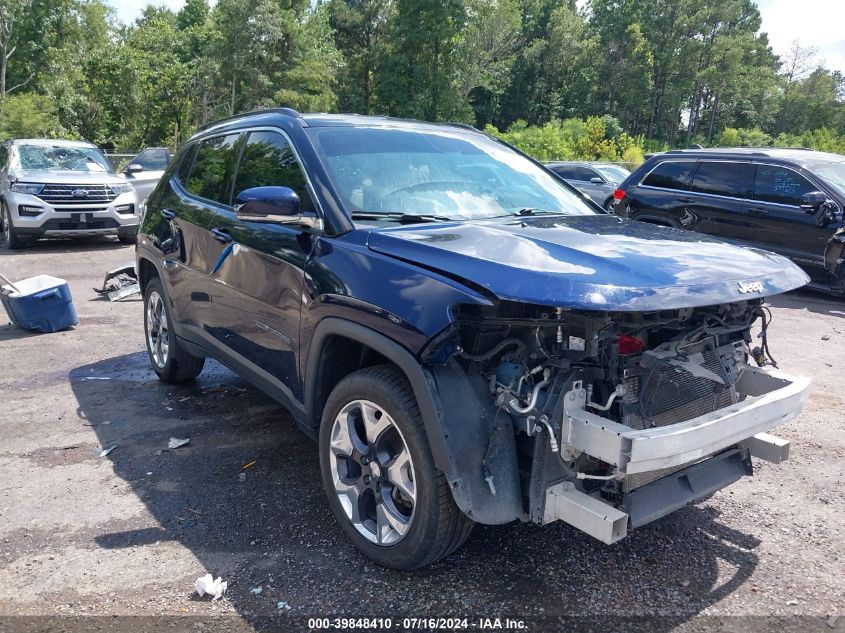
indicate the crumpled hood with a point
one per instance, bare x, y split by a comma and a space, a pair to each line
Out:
591, 262
68, 177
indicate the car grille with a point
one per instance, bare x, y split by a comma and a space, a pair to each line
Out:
74, 224
64, 194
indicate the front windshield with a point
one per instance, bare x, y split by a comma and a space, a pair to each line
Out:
445, 173
612, 173
62, 157
833, 173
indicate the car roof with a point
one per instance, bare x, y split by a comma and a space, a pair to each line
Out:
317, 120
580, 163
795, 154
53, 142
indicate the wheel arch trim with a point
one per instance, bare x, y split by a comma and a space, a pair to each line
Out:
395, 353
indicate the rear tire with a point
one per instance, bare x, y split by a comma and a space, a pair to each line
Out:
170, 361
8, 236
379, 474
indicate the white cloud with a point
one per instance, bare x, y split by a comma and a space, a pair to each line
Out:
816, 23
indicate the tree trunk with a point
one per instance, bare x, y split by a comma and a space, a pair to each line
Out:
713, 112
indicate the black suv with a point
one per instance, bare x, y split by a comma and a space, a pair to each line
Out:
467, 338
789, 201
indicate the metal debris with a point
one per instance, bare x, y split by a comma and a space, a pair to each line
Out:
176, 442
283, 605
120, 283
105, 452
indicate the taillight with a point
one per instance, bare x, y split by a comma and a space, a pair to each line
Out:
629, 345
618, 195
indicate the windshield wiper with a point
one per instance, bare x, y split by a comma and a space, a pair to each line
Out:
401, 218
535, 211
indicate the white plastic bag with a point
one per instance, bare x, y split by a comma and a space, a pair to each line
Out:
208, 585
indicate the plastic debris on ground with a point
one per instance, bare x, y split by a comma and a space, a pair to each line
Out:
257, 590
283, 605
120, 283
208, 585
105, 452
176, 442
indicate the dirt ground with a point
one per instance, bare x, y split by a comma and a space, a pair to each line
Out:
128, 534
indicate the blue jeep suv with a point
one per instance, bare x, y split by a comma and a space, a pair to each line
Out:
464, 337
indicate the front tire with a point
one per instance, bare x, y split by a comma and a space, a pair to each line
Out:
8, 236
170, 361
128, 237
379, 474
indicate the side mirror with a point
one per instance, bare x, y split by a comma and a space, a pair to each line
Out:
596, 180
133, 168
267, 204
813, 200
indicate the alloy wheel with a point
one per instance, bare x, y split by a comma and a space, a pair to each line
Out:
158, 330
372, 472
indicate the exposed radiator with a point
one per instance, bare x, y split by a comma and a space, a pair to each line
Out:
659, 393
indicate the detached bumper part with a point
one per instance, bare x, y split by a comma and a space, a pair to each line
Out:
771, 400
708, 452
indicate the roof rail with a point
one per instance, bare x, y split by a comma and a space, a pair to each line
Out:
465, 126
286, 111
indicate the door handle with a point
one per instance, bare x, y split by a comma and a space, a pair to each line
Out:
685, 200
758, 210
168, 214
221, 235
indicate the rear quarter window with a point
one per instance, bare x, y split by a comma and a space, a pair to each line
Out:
186, 161
670, 175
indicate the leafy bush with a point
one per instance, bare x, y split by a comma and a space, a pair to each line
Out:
29, 115
593, 138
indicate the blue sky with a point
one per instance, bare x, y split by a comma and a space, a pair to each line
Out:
816, 23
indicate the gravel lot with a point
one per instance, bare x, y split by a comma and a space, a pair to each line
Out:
129, 533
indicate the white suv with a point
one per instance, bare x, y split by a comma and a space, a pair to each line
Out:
62, 188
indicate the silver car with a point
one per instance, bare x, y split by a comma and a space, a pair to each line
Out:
146, 169
597, 180
62, 188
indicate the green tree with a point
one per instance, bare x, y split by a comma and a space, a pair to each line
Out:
419, 71
359, 30
29, 115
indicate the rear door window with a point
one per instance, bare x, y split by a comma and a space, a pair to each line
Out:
734, 180
671, 175
211, 174
269, 161
781, 185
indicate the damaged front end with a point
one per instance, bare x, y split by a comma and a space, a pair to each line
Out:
606, 420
